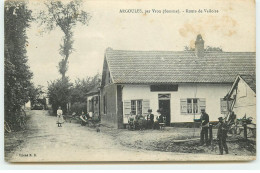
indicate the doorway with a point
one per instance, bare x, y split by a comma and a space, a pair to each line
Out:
164, 106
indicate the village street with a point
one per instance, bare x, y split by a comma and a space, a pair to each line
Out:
45, 142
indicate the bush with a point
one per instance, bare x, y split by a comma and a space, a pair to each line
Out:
17, 77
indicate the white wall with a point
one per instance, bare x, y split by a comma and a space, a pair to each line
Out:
27, 105
245, 101
211, 92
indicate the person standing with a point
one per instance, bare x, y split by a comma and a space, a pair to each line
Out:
150, 119
60, 119
204, 119
222, 136
157, 120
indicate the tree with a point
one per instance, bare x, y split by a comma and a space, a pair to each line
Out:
80, 90
82, 87
64, 16
59, 93
36, 94
17, 18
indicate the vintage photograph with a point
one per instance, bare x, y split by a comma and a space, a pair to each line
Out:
129, 81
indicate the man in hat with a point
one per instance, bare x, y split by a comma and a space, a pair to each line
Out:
204, 119
222, 136
150, 119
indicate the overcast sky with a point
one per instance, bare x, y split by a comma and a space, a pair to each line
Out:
233, 29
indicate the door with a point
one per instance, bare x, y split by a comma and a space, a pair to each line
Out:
164, 106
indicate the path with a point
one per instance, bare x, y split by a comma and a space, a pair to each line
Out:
73, 142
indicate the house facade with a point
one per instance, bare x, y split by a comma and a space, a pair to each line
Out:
179, 83
93, 101
242, 97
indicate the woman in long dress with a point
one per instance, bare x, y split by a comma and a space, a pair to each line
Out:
60, 119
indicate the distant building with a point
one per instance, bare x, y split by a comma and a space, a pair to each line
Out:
180, 83
27, 106
242, 97
93, 101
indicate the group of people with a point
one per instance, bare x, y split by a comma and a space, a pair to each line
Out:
223, 127
84, 117
150, 121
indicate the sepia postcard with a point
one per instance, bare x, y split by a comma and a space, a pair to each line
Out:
129, 80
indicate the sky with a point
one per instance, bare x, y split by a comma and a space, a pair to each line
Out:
232, 29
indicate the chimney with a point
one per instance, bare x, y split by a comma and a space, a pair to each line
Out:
199, 46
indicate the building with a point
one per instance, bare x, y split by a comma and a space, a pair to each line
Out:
180, 83
242, 97
93, 101
27, 106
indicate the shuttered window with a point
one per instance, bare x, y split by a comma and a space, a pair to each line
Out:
146, 106
136, 106
223, 106
127, 107
183, 106
192, 105
133, 107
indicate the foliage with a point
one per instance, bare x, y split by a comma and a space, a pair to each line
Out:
64, 16
62, 92
82, 87
208, 48
217, 49
59, 93
36, 93
17, 18
78, 107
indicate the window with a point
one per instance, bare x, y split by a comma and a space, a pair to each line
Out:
105, 104
139, 106
192, 105
109, 78
223, 106
133, 106
136, 106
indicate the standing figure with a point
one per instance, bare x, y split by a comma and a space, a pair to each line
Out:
157, 120
150, 119
60, 119
222, 136
204, 119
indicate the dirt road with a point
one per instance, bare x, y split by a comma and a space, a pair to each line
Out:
45, 142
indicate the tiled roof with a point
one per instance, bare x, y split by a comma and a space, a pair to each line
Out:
148, 67
250, 80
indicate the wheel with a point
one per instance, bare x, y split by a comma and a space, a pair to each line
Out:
21, 118
22, 113
7, 127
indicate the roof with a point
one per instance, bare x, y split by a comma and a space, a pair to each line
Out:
161, 67
250, 80
93, 91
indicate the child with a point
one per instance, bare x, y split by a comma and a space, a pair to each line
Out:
60, 119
